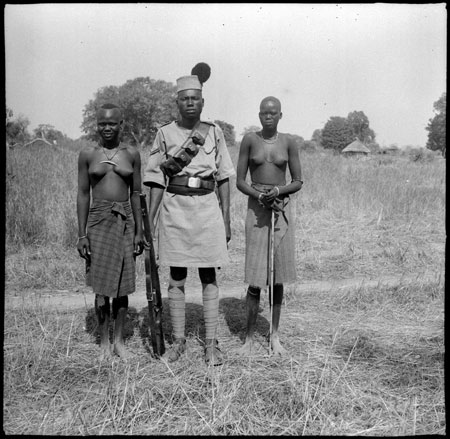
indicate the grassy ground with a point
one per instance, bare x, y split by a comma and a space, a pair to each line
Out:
365, 360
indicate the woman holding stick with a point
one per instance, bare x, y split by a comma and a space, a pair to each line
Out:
267, 154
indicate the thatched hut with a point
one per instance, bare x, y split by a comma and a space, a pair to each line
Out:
356, 149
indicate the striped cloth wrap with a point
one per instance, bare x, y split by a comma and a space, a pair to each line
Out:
111, 270
257, 236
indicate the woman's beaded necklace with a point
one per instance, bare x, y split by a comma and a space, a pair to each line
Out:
271, 140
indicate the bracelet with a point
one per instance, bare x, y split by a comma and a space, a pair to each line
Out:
81, 237
278, 189
259, 199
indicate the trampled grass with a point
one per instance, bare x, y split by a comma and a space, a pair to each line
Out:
367, 360
364, 362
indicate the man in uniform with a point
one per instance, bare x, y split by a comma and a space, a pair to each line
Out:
188, 161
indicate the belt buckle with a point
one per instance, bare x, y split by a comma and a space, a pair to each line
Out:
194, 182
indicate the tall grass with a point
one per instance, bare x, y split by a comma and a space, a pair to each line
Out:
362, 217
42, 184
41, 189
363, 361
352, 217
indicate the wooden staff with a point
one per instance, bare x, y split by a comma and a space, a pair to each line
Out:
271, 267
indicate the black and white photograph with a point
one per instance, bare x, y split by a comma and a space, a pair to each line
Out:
224, 219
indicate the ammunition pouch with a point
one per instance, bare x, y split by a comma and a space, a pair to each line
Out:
175, 163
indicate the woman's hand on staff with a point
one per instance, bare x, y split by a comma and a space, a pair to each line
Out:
267, 199
271, 195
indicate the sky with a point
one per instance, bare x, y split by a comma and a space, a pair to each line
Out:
320, 60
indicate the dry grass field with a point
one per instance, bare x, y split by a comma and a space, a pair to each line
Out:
364, 323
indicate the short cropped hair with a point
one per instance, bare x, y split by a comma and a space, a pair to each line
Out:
273, 99
110, 106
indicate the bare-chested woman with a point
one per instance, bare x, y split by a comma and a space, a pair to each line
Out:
110, 228
267, 154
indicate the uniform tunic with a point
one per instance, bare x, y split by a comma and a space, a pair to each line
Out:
191, 230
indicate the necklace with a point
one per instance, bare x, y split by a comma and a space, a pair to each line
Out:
268, 151
271, 140
110, 158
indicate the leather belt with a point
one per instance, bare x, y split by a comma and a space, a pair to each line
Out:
185, 185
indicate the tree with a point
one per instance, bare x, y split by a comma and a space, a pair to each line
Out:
49, 133
337, 133
437, 126
317, 137
228, 132
309, 146
359, 123
9, 115
250, 129
299, 140
146, 104
16, 129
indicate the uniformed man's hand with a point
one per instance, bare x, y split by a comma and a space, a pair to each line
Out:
228, 231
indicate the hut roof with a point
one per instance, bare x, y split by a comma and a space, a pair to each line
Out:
356, 146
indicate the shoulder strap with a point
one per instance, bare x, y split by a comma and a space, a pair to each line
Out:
203, 128
187, 151
198, 133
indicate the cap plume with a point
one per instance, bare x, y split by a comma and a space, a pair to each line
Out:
202, 71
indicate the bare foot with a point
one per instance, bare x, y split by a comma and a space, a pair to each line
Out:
105, 352
277, 349
246, 349
121, 351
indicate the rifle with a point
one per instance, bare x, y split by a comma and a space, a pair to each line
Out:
153, 289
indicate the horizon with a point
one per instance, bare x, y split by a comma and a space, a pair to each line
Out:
320, 60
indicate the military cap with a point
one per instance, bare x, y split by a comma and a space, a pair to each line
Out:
190, 82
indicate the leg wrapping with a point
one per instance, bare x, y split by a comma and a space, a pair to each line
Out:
177, 306
210, 295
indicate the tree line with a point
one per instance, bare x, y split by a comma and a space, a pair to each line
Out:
437, 126
17, 133
148, 104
